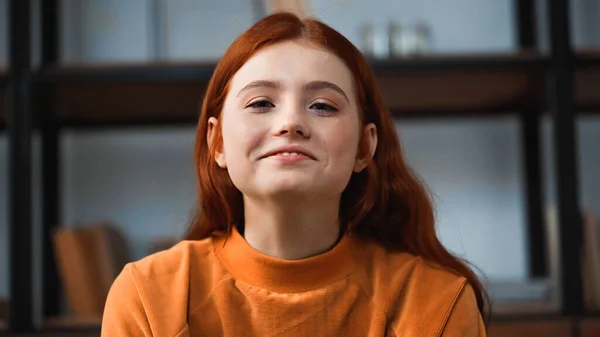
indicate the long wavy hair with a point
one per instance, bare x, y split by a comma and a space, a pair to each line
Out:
385, 202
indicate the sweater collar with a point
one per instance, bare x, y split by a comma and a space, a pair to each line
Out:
278, 275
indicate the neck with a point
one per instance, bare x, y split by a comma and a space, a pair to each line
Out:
291, 230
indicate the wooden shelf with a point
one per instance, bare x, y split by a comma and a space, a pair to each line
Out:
126, 72
466, 93
201, 71
531, 328
557, 327
590, 327
91, 96
587, 80
588, 57
2, 107
69, 323
3, 82
459, 63
127, 103
587, 90
527, 308
167, 94
110, 95
3, 78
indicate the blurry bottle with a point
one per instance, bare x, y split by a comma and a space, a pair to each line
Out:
422, 38
366, 39
409, 40
396, 43
381, 40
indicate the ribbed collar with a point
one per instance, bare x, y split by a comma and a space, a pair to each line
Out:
279, 275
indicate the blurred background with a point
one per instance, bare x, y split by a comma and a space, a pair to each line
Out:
496, 103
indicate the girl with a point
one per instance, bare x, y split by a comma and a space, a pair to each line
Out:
310, 223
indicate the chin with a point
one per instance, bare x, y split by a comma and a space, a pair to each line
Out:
289, 190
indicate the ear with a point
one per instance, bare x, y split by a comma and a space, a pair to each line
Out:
213, 124
366, 147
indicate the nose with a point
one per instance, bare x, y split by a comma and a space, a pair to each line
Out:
292, 123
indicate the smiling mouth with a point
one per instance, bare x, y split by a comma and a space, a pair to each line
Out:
293, 152
289, 157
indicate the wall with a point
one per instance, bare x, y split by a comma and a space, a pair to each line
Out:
143, 181
104, 31
473, 166
456, 26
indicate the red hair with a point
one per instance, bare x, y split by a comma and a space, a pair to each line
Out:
385, 202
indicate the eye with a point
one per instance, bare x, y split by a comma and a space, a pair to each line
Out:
260, 105
324, 107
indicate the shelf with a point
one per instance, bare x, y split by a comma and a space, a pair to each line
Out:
68, 323
201, 71
512, 310
466, 93
168, 94
127, 103
460, 63
111, 95
3, 78
126, 72
587, 90
587, 80
4, 311
3, 82
550, 327
2, 107
588, 57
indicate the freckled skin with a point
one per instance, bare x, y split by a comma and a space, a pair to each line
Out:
324, 121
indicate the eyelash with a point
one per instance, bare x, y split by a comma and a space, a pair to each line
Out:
256, 105
259, 106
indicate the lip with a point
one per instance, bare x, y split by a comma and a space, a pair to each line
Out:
291, 148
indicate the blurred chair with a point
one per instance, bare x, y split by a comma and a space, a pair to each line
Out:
88, 260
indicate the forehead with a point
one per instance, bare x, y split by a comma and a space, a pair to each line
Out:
294, 63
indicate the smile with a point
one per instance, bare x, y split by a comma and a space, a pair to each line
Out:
289, 157
290, 153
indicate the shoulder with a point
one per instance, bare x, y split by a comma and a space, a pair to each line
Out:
417, 295
157, 286
173, 261
388, 269
172, 271
465, 318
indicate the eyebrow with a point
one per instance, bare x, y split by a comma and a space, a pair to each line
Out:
319, 85
310, 86
260, 84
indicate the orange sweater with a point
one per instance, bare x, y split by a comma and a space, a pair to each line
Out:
218, 287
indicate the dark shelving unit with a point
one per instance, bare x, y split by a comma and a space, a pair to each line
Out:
529, 115
561, 97
19, 126
587, 81
2, 104
54, 97
589, 57
101, 96
3, 83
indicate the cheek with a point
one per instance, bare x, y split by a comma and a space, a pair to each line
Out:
342, 144
241, 139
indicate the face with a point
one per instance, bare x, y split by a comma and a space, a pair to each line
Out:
291, 124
